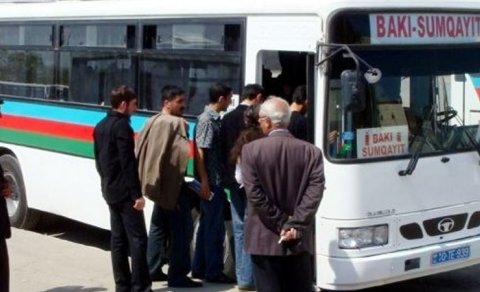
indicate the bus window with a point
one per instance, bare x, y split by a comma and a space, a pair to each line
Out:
98, 35
26, 35
91, 75
194, 72
95, 55
27, 64
189, 54
192, 36
27, 74
410, 103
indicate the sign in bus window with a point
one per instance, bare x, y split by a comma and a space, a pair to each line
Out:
381, 142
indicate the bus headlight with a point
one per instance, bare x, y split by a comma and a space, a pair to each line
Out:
354, 238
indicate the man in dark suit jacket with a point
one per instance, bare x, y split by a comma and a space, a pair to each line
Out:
284, 180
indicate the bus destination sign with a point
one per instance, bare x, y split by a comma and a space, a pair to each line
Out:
424, 28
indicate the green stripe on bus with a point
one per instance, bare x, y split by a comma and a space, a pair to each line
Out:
57, 144
190, 167
51, 143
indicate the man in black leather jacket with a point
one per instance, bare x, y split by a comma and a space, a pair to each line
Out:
117, 167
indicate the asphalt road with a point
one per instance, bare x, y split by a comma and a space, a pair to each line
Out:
63, 255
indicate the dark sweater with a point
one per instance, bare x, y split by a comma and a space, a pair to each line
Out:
233, 123
298, 126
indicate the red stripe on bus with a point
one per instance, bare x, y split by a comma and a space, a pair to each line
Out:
47, 127
191, 147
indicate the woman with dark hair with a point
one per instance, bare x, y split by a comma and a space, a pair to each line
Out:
251, 132
243, 262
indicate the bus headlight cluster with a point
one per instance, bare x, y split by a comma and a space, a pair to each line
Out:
354, 238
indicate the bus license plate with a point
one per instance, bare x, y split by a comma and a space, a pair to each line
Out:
451, 255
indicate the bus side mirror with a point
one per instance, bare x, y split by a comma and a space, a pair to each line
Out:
353, 93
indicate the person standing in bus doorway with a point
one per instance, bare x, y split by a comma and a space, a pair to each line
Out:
162, 151
233, 123
284, 181
298, 107
5, 232
208, 257
117, 167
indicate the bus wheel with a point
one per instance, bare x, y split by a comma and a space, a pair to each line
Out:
20, 215
229, 251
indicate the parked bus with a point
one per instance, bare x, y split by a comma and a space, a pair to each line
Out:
394, 102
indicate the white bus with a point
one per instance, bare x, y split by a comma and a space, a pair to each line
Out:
394, 95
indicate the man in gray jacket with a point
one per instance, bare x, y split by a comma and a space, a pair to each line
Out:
284, 181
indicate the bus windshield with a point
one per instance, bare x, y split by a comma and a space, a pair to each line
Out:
427, 100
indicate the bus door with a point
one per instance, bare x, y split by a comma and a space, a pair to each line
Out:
282, 71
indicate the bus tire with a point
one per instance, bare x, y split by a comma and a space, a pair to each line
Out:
20, 215
229, 251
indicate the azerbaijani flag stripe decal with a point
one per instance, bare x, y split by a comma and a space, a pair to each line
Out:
53, 128
52, 143
61, 128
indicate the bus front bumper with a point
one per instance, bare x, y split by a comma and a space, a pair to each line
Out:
358, 273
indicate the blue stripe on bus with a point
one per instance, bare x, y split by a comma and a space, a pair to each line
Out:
475, 80
191, 129
62, 114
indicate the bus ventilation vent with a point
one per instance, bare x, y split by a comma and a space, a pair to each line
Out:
411, 231
474, 220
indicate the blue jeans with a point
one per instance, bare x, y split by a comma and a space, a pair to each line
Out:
208, 257
178, 225
243, 261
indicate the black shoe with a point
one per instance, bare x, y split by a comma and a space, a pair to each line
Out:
198, 276
221, 279
160, 277
246, 288
186, 283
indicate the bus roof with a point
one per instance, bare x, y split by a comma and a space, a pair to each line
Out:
117, 9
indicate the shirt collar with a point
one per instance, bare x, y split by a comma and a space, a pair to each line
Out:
211, 113
278, 131
118, 114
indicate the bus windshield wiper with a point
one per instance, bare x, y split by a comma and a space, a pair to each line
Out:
416, 154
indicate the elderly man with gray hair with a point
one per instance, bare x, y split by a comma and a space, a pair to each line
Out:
284, 181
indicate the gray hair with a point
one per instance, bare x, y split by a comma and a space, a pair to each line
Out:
277, 110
